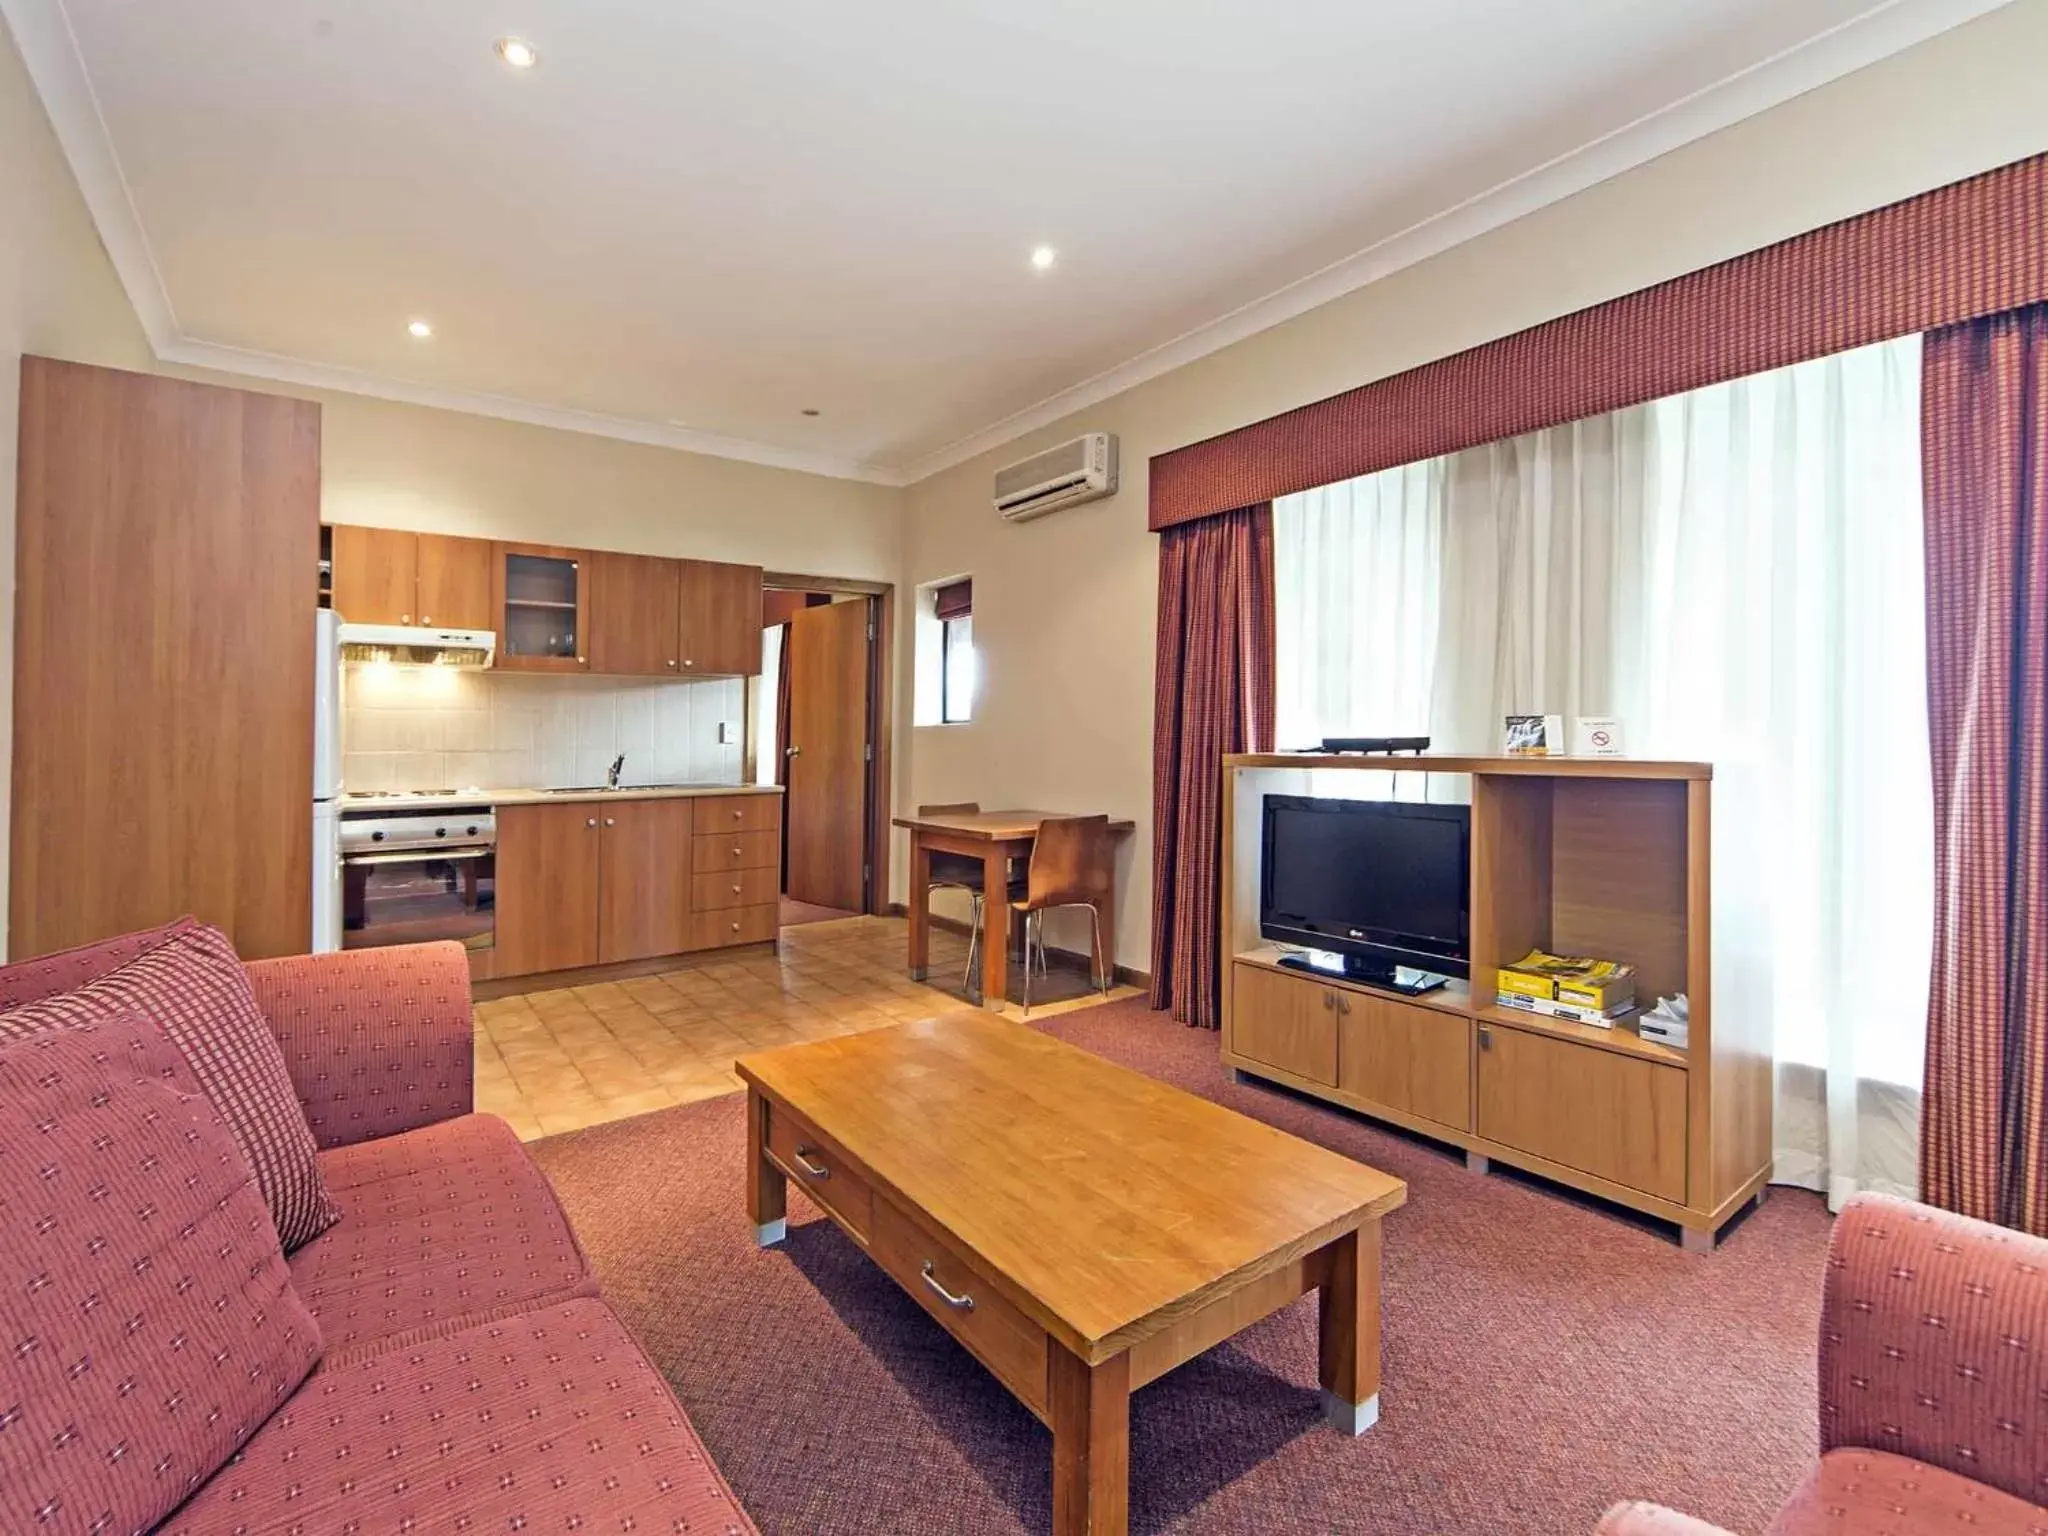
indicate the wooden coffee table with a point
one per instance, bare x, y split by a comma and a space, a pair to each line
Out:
1080, 1228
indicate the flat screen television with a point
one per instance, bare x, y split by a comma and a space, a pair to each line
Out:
1381, 884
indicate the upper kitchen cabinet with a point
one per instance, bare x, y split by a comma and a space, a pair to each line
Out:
540, 595
376, 575
634, 621
385, 576
721, 619
454, 582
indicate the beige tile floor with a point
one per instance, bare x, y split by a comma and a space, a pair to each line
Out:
560, 1060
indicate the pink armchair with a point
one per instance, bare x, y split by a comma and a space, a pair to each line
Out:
1933, 1384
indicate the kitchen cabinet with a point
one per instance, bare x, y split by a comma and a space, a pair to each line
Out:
389, 576
540, 594
720, 632
454, 582
644, 879
635, 620
600, 882
376, 575
548, 888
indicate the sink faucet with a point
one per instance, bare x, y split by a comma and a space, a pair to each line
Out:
611, 778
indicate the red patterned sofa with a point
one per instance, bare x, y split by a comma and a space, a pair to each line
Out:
471, 1379
1933, 1384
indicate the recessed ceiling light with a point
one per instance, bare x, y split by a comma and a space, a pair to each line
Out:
421, 330
1042, 257
517, 52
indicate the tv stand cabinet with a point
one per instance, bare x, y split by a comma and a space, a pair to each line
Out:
1599, 856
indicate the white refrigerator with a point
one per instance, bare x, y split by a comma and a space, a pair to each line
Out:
327, 784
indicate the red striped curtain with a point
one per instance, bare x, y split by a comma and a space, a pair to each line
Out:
1213, 695
1984, 1111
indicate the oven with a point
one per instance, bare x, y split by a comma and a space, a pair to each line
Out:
410, 876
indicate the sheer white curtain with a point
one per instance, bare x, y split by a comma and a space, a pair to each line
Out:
1736, 574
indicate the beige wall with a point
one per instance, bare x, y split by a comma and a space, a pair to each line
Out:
1064, 608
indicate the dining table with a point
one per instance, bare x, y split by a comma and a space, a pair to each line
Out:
995, 838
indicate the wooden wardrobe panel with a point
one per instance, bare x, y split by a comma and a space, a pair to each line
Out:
167, 550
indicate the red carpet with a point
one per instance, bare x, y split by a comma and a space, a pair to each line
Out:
1544, 1357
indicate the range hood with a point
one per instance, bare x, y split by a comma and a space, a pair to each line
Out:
410, 645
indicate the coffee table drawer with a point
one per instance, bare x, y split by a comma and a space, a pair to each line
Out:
819, 1173
998, 1335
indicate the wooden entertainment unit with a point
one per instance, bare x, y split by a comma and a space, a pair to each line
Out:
1591, 856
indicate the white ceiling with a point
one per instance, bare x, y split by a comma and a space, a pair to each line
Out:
698, 217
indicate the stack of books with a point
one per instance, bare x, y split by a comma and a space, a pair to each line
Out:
1583, 990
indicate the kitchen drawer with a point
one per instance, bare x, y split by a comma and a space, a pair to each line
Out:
735, 925
735, 850
738, 888
739, 813
819, 1171
1001, 1337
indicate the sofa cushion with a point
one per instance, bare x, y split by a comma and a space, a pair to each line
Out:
192, 986
544, 1422
441, 1228
30, 981
146, 1315
1874, 1493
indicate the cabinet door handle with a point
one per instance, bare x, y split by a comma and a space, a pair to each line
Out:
688, 663
591, 823
1485, 1038
1343, 1005
426, 618
815, 1170
609, 822
1327, 1004
671, 661
959, 1303
405, 618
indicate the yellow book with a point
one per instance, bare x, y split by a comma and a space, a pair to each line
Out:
1527, 984
1602, 985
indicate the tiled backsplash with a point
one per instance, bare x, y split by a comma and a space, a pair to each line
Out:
441, 728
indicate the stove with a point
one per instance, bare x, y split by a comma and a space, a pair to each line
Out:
416, 794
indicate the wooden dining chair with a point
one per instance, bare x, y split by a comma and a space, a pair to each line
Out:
961, 872
1072, 865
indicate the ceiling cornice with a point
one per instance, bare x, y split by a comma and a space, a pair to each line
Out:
42, 31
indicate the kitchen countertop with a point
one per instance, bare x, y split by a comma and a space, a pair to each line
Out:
498, 797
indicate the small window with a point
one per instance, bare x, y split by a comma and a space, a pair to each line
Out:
956, 668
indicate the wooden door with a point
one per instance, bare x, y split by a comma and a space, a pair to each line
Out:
827, 761
540, 597
1288, 1022
376, 575
721, 619
547, 888
644, 879
633, 622
1407, 1056
1601, 1112
168, 537
454, 582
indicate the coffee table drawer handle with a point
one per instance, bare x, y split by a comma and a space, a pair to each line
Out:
803, 1160
960, 1303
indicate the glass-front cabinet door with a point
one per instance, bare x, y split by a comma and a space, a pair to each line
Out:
542, 597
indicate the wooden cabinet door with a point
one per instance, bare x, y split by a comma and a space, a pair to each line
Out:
1406, 1056
547, 888
633, 615
454, 582
1289, 1022
644, 879
1614, 1116
376, 575
720, 635
540, 599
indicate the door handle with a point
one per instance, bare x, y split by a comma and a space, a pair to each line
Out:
791, 751
962, 1302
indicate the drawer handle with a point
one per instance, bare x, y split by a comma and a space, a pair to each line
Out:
737, 852
815, 1170
960, 1303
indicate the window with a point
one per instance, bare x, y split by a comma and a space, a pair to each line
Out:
956, 666
947, 669
1736, 574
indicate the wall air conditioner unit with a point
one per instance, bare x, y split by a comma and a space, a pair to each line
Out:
1066, 476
